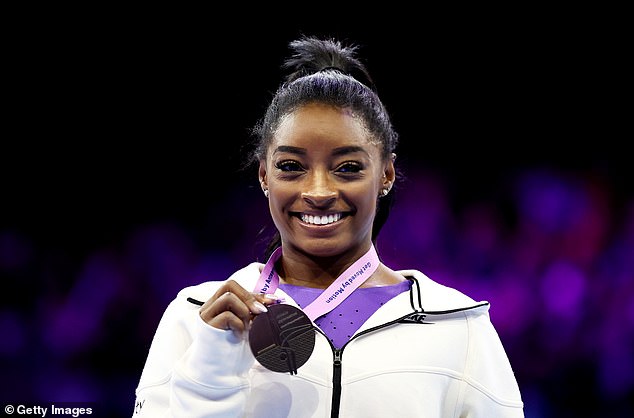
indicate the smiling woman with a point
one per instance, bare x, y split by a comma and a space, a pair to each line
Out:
324, 307
324, 175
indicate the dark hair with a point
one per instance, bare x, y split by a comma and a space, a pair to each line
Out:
325, 71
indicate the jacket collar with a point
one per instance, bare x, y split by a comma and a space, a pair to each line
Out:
426, 299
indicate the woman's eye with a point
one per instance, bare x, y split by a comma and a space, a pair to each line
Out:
349, 167
288, 166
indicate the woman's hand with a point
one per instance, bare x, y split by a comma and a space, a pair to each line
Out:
233, 307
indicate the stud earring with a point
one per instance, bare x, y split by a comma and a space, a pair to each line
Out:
266, 193
384, 192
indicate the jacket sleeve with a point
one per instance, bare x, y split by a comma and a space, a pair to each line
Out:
490, 389
192, 369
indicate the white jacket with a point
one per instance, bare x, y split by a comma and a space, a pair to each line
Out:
432, 352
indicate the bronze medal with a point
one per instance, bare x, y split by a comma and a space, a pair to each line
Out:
282, 339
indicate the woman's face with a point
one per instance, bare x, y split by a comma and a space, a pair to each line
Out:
323, 177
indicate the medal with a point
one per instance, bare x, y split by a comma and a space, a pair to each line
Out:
283, 338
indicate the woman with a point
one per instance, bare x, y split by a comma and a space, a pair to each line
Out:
368, 341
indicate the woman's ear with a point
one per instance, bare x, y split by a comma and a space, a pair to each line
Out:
389, 173
262, 175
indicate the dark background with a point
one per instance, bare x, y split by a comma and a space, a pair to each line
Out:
121, 182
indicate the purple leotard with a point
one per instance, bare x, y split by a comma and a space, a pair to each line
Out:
343, 321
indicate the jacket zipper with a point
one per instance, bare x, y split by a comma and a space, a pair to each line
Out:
337, 353
336, 366
336, 384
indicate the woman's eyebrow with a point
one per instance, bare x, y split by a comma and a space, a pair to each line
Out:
348, 150
290, 149
335, 152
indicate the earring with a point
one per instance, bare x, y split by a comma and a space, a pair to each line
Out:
384, 192
266, 193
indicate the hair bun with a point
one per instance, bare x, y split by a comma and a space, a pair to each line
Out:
311, 55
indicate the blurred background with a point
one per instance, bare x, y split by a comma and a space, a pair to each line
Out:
122, 183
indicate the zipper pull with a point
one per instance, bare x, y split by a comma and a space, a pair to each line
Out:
337, 361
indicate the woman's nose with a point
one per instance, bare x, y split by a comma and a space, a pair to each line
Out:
319, 190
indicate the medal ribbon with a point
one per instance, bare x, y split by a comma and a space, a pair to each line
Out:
353, 277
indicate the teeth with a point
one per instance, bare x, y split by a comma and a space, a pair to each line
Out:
321, 220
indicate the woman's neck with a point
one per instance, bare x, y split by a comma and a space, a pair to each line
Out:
299, 269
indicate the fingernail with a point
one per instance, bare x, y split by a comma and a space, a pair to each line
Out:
259, 307
276, 298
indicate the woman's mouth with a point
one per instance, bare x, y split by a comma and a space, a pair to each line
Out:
320, 219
